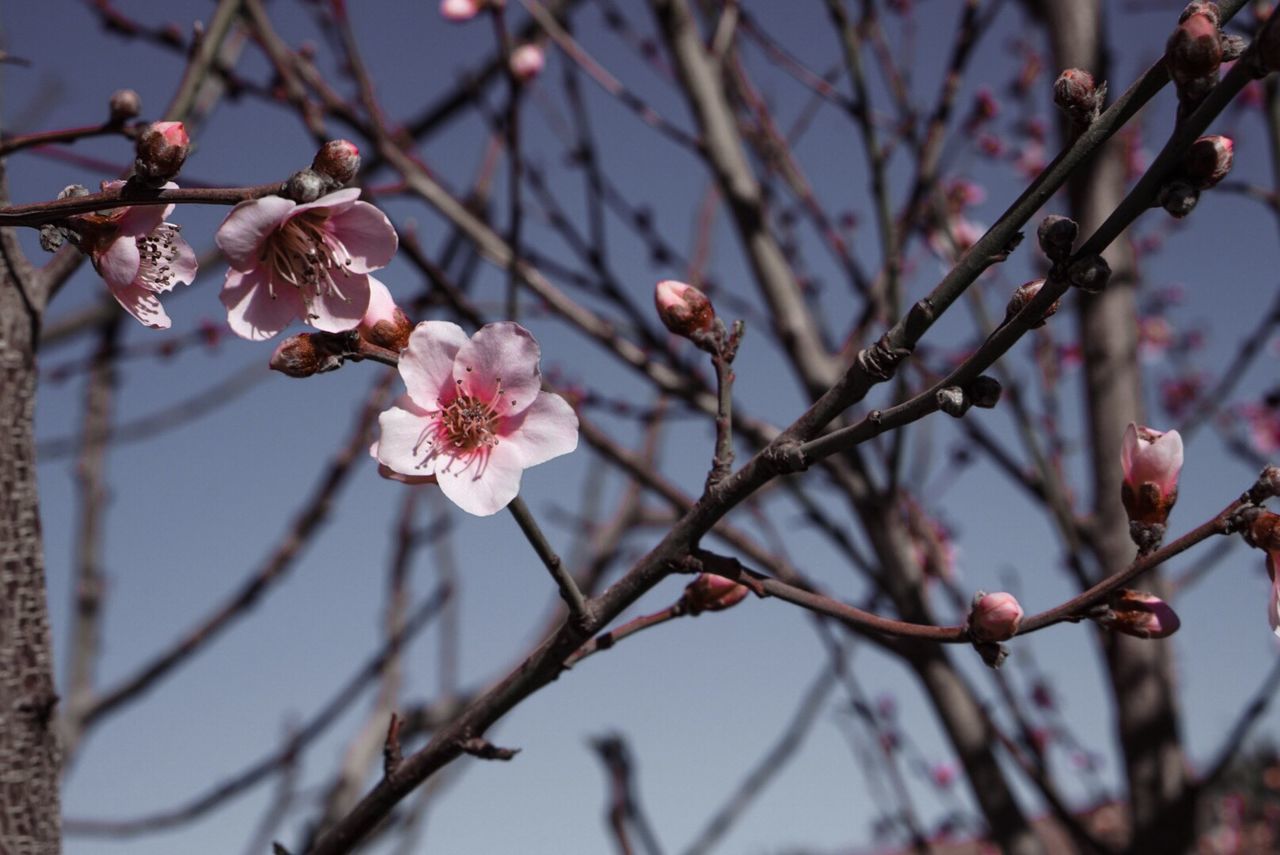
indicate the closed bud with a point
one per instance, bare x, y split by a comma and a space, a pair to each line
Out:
1208, 161
1090, 274
712, 593
1264, 532
459, 10
1078, 96
305, 185
302, 355
527, 62
985, 391
1178, 197
1194, 50
994, 617
384, 323
338, 161
683, 309
1057, 235
1202, 7
125, 104
1024, 295
1151, 462
1140, 614
162, 149
953, 401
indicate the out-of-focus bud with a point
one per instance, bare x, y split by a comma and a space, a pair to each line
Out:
1263, 532
125, 104
304, 186
1140, 614
527, 62
985, 391
384, 324
1078, 96
1151, 462
1057, 235
1233, 47
1266, 47
1208, 161
1178, 197
1194, 50
299, 356
338, 161
1090, 274
712, 593
1023, 296
459, 10
994, 617
683, 309
1201, 7
953, 401
162, 149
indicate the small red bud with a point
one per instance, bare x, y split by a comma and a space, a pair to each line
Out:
162, 149
1078, 96
300, 356
712, 593
683, 308
994, 617
337, 160
1024, 295
1209, 160
1141, 615
1195, 49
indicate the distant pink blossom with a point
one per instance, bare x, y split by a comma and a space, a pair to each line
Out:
308, 262
475, 416
139, 256
460, 10
527, 62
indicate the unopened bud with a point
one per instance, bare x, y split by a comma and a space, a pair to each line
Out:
1023, 296
1208, 161
305, 185
1178, 197
1057, 235
985, 391
459, 10
1090, 274
384, 324
300, 356
527, 62
1194, 50
1140, 614
1201, 7
338, 161
1078, 96
125, 104
162, 149
994, 617
712, 593
683, 309
953, 401
1264, 532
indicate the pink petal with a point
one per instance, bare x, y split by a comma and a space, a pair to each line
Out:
482, 485
138, 220
547, 428
337, 201
142, 304
402, 444
367, 234
1273, 604
503, 352
241, 234
332, 313
252, 313
382, 306
185, 266
426, 365
119, 263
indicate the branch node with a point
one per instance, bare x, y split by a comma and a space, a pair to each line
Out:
484, 749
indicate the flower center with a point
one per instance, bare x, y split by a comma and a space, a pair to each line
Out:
306, 253
469, 424
157, 251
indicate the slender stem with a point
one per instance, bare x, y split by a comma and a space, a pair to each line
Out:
579, 611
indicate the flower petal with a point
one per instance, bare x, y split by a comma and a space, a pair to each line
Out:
333, 313
482, 485
547, 428
367, 234
337, 201
1273, 604
401, 444
382, 306
184, 266
142, 304
252, 312
119, 263
503, 354
426, 365
241, 234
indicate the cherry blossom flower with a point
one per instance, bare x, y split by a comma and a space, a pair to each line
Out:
459, 10
474, 417
307, 261
1151, 461
527, 62
139, 256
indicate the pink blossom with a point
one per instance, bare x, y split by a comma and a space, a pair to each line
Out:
527, 62
1151, 461
384, 323
474, 417
712, 593
459, 10
1273, 603
139, 256
307, 261
995, 617
1141, 614
682, 308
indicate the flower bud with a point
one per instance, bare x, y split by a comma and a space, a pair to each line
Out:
712, 593
162, 148
384, 324
1024, 295
1273, 603
305, 185
1057, 235
1178, 197
953, 401
1078, 96
1140, 614
125, 104
459, 10
303, 355
526, 62
1151, 462
338, 161
1090, 274
1194, 50
683, 309
994, 617
985, 391
1208, 161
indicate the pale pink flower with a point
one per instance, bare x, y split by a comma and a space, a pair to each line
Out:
475, 416
307, 261
995, 617
459, 10
1151, 461
527, 62
139, 256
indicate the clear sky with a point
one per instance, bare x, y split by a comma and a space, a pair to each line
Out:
194, 509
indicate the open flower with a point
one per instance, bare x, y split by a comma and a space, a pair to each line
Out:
138, 255
475, 416
302, 261
1151, 461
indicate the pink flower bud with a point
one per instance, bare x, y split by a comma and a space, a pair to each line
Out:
527, 62
994, 617
459, 10
712, 593
1141, 615
1151, 462
1024, 295
297, 356
162, 148
683, 308
1078, 96
1273, 604
337, 160
1194, 50
1209, 160
384, 324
